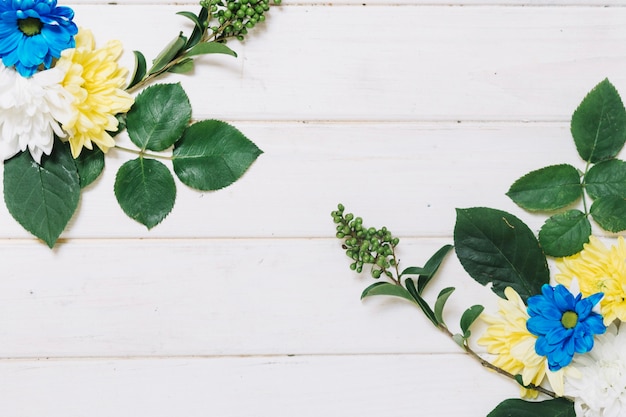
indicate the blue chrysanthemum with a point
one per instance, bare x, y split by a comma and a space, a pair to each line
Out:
564, 323
34, 32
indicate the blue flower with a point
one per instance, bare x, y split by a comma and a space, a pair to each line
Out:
563, 323
34, 32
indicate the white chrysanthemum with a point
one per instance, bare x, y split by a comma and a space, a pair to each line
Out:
31, 110
601, 389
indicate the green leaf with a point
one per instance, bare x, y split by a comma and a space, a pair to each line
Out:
192, 16
210, 48
468, 318
198, 29
212, 154
558, 407
168, 53
159, 117
610, 213
431, 267
145, 190
410, 286
89, 164
42, 198
496, 247
387, 288
183, 67
599, 124
441, 302
564, 234
606, 178
548, 188
140, 68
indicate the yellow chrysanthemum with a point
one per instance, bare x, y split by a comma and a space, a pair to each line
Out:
509, 339
96, 81
599, 269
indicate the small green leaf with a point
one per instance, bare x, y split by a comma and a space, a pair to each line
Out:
599, 124
192, 16
168, 53
548, 188
606, 178
183, 67
145, 190
459, 339
158, 117
410, 286
468, 318
610, 213
212, 154
496, 247
210, 48
431, 267
564, 234
42, 198
441, 302
89, 164
140, 68
513, 407
198, 29
387, 288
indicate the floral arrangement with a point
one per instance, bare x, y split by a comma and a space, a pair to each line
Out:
559, 337
60, 95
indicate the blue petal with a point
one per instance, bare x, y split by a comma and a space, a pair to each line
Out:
564, 299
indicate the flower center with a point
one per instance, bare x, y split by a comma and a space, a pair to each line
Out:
30, 26
569, 319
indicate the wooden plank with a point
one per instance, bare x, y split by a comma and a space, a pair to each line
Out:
214, 297
402, 386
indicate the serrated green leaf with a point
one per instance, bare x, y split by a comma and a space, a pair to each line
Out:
168, 53
440, 303
564, 234
558, 407
212, 154
386, 288
183, 67
42, 198
431, 267
210, 48
468, 318
145, 190
610, 213
430, 314
606, 178
599, 124
89, 164
496, 247
158, 117
140, 68
548, 188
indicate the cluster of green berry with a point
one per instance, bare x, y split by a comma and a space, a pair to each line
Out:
366, 245
235, 17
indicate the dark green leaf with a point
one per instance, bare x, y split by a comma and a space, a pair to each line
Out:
548, 188
564, 234
159, 117
168, 53
386, 288
212, 155
606, 178
42, 198
145, 190
441, 302
599, 124
89, 164
410, 286
210, 48
140, 68
558, 407
431, 267
468, 318
610, 213
183, 67
496, 247
192, 16
198, 29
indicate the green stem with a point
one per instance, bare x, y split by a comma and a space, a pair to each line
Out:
143, 153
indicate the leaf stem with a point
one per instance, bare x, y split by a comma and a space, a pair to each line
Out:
144, 154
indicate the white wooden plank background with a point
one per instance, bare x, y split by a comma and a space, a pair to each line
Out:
241, 303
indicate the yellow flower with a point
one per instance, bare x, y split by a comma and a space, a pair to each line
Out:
599, 269
96, 81
509, 339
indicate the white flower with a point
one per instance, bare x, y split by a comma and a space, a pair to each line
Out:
30, 111
600, 391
